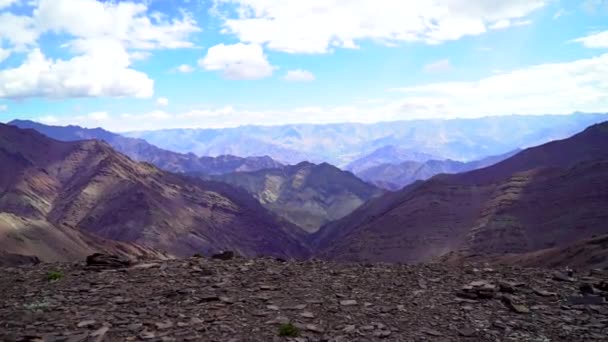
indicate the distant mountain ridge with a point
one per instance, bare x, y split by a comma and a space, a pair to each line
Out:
341, 144
306, 194
62, 200
387, 155
547, 196
396, 176
140, 150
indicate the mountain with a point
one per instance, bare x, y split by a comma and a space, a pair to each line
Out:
57, 196
140, 150
306, 194
387, 155
543, 197
341, 144
396, 176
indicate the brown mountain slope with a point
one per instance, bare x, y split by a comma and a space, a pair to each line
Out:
88, 187
583, 254
306, 194
547, 196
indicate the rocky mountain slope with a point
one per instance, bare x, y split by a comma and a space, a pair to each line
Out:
306, 194
140, 150
254, 300
340, 144
55, 195
543, 197
396, 176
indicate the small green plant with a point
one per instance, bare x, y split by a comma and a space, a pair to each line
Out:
54, 276
289, 330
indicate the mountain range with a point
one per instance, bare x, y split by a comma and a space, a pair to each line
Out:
396, 176
305, 194
60, 200
140, 150
543, 197
341, 144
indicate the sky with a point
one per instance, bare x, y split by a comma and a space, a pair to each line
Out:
140, 65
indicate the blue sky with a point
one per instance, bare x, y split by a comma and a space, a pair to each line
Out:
217, 63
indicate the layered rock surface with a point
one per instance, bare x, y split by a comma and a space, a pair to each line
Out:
199, 299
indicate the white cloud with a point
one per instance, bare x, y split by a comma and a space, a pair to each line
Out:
98, 116
595, 40
125, 21
162, 101
438, 66
3, 108
299, 75
4, 54
315, 26
506, 23
595, 6
558, 88
104, 39
185, 68
50, 120
560, 13
7, 3
102, 72
18, 31
238, 61
140, 55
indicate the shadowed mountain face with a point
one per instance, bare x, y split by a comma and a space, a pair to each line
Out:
396, 176
341, 144
56, 197
543, 197
140, 150
306, 194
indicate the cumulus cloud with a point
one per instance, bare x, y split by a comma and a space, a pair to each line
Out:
104, 39
594, 40
506, 23
162, 101
185, 68
299, 75
238, 61
438, 66
4, 54
316, 26
7, 3
580, 85
103, 72
125, 21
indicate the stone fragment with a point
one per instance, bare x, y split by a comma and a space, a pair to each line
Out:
348, 302
225, 255
100, 261
85, 324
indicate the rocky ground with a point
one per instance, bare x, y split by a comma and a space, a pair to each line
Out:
201, 299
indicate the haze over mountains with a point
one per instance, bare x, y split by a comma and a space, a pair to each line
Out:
341, 144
